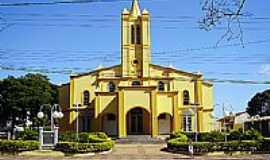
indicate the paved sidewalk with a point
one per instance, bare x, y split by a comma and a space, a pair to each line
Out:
140, 151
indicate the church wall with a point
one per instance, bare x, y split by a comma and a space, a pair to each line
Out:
124, 83
180, 86
108, 104
164, 104
136, 98
82, 84
156, 72
207, 122
207, 99
111, 72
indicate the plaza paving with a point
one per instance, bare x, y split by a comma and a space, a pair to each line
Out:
129, 152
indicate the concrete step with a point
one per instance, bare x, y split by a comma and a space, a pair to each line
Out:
47, 147
141, 139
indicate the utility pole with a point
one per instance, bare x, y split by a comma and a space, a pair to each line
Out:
225, 117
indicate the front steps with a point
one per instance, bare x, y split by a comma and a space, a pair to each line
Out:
142, 139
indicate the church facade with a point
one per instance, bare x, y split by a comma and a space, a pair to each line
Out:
136, 97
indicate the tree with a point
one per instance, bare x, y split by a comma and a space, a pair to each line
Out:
23, 95
259, 104
11, 91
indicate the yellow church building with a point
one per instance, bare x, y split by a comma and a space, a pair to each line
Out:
136, 97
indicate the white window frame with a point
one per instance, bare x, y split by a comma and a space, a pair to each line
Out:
187, 123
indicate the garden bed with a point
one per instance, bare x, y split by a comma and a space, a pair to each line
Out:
15, 146
208, 147
74, 147
87, 143
213, 143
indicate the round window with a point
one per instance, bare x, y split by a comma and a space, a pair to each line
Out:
135, 61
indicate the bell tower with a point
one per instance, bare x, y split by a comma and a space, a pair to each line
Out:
135, 42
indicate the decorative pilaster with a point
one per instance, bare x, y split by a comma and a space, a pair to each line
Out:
176, 116
154, 118
200, 119
198, 102
198, 91
122, 131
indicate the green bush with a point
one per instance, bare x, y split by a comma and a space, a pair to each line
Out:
248, 135
73, 147
202, 147
18, 145
179, 136
101, 135
95, 139
252, 135
213, 136
84, 137
27, 134
202, 137
235, 135
265, 144
68, 137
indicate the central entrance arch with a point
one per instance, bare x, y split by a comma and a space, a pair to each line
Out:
138, 121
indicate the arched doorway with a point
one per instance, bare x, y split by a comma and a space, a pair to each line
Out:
164, 124
138, 122
109, 125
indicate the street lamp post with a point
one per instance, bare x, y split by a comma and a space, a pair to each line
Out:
195, 110
77, 120
55, 113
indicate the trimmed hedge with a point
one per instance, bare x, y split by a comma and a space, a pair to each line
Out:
203, 147
202, 137
248, 135
213, 136
216, 136
18, 145
84, 137
73, 147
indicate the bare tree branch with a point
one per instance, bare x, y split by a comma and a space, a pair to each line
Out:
221, 12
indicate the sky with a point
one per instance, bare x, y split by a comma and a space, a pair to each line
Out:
56, 39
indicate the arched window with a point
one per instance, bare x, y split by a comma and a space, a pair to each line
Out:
136, 83
111, 87
186, 97
132, 34
138, 34
86, 97
161, 86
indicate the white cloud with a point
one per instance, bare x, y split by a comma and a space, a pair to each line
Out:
265, 70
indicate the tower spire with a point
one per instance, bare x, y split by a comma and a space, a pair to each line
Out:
135, 9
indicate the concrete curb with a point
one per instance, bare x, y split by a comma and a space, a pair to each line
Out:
92, 154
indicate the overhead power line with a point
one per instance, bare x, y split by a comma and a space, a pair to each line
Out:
213, 80
91, 52
52, 2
